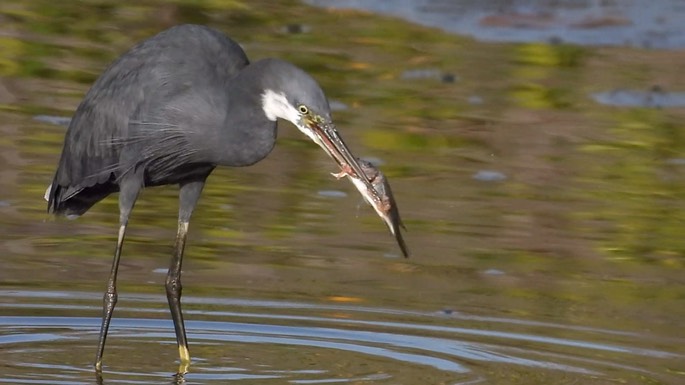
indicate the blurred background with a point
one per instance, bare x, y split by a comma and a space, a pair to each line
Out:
536, 150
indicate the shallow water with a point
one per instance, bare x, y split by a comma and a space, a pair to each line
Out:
294, 342
545, 228
637, 23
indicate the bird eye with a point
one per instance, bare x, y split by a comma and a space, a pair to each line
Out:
303, 109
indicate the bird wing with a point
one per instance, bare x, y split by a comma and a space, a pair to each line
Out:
131, 94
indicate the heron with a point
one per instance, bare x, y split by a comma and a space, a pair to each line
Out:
168, 112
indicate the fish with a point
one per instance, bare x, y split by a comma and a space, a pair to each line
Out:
382, 200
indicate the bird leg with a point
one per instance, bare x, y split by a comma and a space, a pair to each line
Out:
110, 299
127, 198
189, 194
173, 293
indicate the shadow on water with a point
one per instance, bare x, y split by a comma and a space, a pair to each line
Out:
300, 343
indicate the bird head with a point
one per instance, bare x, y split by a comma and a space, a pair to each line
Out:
291, 94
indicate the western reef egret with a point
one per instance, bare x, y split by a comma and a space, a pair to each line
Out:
169, 111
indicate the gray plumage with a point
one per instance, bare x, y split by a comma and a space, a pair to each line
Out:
169, 111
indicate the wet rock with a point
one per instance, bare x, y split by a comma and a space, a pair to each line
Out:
602, 22
448, 78
519, 20
489, 176
430, 74
555, 40
296, 28
655, 97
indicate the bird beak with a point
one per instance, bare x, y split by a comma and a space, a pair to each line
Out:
326, 136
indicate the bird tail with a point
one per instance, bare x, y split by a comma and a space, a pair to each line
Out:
74, 201
51, 197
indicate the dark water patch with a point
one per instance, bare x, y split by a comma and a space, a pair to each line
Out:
641, 23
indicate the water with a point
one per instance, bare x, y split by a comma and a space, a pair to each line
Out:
638, 23
300, 343
545, 227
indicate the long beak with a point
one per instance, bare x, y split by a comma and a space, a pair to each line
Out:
335, 147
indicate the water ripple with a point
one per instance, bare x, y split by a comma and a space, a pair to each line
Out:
296, 343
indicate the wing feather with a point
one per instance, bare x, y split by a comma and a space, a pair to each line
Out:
124, 122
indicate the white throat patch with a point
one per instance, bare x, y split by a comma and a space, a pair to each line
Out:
276, 105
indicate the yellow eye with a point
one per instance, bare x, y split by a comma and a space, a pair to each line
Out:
303, 109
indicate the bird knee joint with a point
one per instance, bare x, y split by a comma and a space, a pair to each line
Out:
173, 285
111, 297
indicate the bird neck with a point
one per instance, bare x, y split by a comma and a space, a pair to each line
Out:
247, 134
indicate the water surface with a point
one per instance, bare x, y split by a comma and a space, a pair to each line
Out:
546, 228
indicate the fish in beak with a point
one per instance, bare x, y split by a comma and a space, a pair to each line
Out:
385, 207
368, 179
319, 128
327, 137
